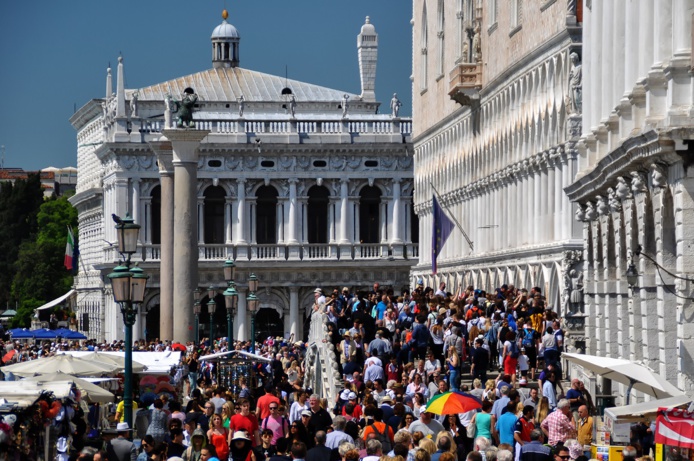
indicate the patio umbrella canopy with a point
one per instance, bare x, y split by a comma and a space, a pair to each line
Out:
452, 403
20, 333
110, 359
90, 392
61, 363
626, 372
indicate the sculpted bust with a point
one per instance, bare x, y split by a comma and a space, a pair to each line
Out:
603, 209
638, 182
658, 178
613, 201
590, 211
622, 190
580, 213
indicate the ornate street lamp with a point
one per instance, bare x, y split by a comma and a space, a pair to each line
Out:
632, 276
129, 286
197, 309
211, 309
231, 300
252, 302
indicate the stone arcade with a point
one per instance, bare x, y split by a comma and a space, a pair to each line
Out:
302, 185
495, 99
635, 184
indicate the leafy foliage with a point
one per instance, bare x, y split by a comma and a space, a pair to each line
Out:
19, 205
39, 272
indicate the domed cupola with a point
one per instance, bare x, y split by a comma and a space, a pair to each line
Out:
225, 44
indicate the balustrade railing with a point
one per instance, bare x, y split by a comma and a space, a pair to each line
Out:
279, 252
401, 126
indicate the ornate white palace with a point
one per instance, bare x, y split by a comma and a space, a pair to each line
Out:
494, 136
302, 185
634, 185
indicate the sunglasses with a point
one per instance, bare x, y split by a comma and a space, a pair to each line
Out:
273, 408
564, 457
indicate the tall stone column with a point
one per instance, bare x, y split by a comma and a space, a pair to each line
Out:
241, 232
228, 201
396, 231
201, 220
293, 246
344, 212
135, 183
240, 323
184, 144
294, 318
163, 151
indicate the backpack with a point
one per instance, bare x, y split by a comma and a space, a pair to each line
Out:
491, 335
383, 438
513, 351
528, 337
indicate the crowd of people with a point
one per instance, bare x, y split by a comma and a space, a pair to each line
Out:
396, 353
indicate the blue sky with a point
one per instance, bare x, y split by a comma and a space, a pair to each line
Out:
54, 55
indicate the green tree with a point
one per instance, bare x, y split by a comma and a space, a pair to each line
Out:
19, 205
39, 271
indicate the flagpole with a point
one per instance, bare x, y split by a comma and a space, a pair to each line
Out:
452, 216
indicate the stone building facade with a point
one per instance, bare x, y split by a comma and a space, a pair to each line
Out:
302, 185
634, 186
495, 136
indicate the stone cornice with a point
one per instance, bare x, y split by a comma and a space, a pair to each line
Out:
634, 154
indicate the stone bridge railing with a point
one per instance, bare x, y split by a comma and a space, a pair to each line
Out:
321, 361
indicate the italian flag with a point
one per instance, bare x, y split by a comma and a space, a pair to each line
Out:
69, 250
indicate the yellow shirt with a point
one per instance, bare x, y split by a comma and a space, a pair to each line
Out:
120, 410
585, 431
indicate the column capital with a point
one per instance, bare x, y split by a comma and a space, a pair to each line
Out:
185, 143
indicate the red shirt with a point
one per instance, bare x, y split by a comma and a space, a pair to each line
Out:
249, 423
264, 404
356, 414
393, 372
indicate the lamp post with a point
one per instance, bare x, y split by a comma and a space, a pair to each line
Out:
252, 302
197, 309
211, 308
231, 299
129, 285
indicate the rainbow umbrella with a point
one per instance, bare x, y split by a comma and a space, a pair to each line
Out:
454, 402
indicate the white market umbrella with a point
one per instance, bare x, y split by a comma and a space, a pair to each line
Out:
63, 364
116, 360
632, 374
90, 392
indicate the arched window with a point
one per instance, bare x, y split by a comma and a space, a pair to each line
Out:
424, 41
440, 35
214, 214
318, 200
266, 215
370, 214
156, 215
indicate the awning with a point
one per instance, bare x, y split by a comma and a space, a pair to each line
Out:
56, 301
155, 362
9, 313
637, 411
220, 355
675, 428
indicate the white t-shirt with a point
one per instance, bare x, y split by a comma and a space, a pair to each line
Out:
523, 362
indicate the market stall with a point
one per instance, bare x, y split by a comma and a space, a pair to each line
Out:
674, 435
231, 366
613, 431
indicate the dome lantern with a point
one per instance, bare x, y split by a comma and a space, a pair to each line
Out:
225, 44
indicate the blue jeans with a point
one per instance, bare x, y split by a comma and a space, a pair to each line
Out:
193, 380
453, 378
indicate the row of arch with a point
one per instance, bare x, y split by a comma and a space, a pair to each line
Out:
545, 276
526, 117
266, 202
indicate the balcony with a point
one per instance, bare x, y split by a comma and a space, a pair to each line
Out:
281, 252
465, 83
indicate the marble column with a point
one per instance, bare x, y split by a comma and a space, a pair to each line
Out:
551, 212
184, 144
241, 231
163, 150
201, 221
292, 241
228, 202
645, 43
240, 322
684, 236
135, 184
344, 212
294, 318
396, 229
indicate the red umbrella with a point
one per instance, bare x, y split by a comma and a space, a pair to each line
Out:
7, 357
178, 347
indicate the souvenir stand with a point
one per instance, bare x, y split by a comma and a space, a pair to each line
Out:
613, 432
674, 435
231, 366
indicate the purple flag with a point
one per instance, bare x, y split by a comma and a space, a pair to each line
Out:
442, 229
